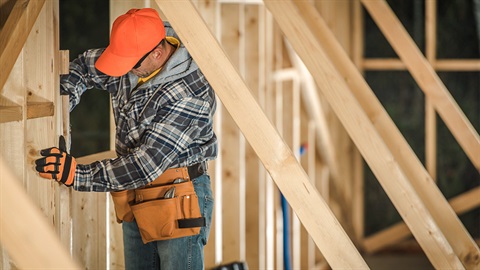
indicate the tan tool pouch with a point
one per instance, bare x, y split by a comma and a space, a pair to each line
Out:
123, 201
161, 218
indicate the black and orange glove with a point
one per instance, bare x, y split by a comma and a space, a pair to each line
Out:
57, 164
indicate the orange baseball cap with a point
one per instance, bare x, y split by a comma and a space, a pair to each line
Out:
134, 34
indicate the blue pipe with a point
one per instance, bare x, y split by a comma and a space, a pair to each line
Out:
286, 225
286, 236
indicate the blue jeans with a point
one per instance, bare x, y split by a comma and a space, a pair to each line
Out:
179, 253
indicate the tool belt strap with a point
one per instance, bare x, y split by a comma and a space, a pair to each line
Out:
187, 173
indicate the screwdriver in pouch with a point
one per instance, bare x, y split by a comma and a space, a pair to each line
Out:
170, 193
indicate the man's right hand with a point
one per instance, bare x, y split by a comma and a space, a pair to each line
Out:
57, 164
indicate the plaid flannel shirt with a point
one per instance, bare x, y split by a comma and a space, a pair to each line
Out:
167, 122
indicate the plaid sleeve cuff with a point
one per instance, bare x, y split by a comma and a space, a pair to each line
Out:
83, 178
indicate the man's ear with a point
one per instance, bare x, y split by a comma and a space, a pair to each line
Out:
158, 52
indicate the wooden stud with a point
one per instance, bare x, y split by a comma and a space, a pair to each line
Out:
426, 78
63, 61
252, 164
358, 200
231, 152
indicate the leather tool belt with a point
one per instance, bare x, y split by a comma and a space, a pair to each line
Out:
166, 208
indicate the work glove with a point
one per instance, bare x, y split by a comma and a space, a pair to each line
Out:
57, 164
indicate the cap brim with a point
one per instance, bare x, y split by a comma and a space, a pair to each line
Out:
115, 65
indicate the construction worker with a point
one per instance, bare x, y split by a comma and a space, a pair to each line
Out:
163, 108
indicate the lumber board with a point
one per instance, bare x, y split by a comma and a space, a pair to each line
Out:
426, 78
231, 147
357, 49
252, 164
439, 65
421, 181
266, 184
233, 184
461, 204
30, 246
63, 194
457, 65
39, 109
63, 60
363, 133
11, 113
15, 32
277, 158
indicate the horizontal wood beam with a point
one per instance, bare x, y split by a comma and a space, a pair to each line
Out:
34, 110
438, 65
422, 182
10, 114
363, 133
426, 78
39, 109
461, 204
24, 230
275, 155
15, 32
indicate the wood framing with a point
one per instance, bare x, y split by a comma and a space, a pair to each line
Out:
271, 149
362, 131
447, 220
426, 78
